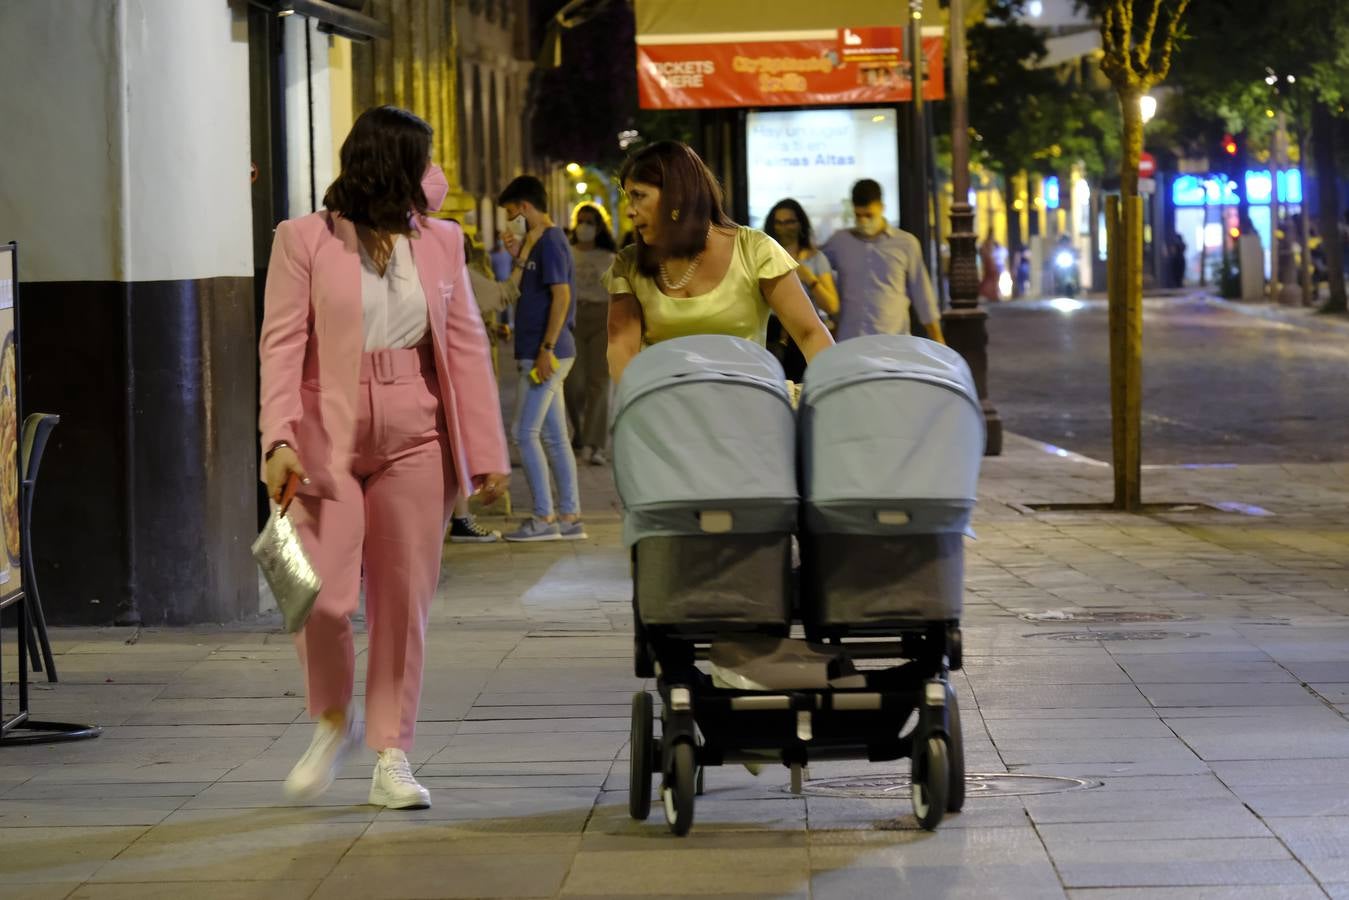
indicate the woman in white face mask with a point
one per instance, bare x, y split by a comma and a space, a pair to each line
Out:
587, 385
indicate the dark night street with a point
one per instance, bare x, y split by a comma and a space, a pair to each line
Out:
1219, 385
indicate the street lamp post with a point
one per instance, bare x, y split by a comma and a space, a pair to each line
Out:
965, 323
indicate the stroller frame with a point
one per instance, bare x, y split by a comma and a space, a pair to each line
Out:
703, 725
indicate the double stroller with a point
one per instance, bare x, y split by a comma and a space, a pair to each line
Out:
773, 551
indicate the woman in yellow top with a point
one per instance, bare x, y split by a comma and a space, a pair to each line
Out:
694, 271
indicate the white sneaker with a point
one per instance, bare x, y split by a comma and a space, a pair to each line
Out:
393, 786
318, 768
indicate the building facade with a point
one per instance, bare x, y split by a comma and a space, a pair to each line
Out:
149, 149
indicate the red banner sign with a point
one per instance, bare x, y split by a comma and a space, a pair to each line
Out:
857, 65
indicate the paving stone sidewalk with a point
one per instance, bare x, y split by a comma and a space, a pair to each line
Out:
1217, 741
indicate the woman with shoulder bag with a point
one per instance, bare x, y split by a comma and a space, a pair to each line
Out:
378, 393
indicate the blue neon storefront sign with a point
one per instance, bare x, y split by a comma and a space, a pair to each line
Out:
1192, 190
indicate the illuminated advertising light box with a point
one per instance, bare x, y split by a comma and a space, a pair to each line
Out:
814, 156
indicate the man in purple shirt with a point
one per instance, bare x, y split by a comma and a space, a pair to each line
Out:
880, 273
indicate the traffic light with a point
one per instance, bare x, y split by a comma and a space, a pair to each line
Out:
1229, 145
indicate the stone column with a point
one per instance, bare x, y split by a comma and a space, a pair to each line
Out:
126, 136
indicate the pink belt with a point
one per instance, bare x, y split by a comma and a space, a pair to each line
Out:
387, 366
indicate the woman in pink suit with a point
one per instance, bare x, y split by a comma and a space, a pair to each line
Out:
378, 393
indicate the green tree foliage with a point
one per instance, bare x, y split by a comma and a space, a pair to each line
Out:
1025, 116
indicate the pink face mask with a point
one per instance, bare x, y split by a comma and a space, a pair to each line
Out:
435, 186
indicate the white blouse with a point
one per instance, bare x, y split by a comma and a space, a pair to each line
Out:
393, 305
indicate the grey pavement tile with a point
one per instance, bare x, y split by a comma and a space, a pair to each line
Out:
510, 769
1183, 830
230, 889
1074, 851
34, 855
408, 837
1191, 695
1126, 806
1314, 837
161, 732
504, 805
1084, 714
944, 847
1076, 728
216, 852
96, 793
838, 814
657, 870
1180, 874
1295, 801
52, 891
121, 773
249, 794
1210, 668
711, 813
492, 875
480, 712
1294, 772
1060, 696
861, 882
60, 812
803, 894
1031, 752
529, 748
1226, 892
1162, 768
219, 711
544, 726
501, 782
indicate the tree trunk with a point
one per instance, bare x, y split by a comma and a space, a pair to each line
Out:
1327, 186
1131, 144
1126, 313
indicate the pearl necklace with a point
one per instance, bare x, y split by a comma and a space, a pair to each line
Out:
688, 273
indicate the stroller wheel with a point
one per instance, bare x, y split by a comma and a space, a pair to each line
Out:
641, 752
930, 778
679, 789
955, 796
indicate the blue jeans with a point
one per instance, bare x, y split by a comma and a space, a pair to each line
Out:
540, 431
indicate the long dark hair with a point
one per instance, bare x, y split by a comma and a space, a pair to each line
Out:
686, 185
383, 161
603, 239
807, 236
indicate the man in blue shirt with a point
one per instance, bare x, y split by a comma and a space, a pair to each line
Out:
544, 352
880, 273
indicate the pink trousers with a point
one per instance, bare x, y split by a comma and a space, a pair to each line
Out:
388, 523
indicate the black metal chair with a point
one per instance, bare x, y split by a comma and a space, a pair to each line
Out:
32, 624
37, 428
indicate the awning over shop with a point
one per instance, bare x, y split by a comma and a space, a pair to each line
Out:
702, 54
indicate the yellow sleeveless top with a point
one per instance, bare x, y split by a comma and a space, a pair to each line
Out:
736, 306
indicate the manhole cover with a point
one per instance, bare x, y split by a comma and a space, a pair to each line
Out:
1102, 617
896, 787
1114, 635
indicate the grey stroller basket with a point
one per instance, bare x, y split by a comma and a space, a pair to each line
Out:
704, 462
892, 435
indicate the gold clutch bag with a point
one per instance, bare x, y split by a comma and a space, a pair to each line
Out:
284, 564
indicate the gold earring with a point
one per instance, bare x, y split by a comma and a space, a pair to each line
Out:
674, 215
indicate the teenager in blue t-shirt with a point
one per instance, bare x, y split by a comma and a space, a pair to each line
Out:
544, 352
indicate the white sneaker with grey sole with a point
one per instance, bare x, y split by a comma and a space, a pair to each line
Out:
393, 786
317, 769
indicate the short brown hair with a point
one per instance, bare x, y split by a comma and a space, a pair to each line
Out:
686, 185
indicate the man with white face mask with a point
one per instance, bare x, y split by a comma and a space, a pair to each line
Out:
545, 351
880, 273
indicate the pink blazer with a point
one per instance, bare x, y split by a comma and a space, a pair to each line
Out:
313, 337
